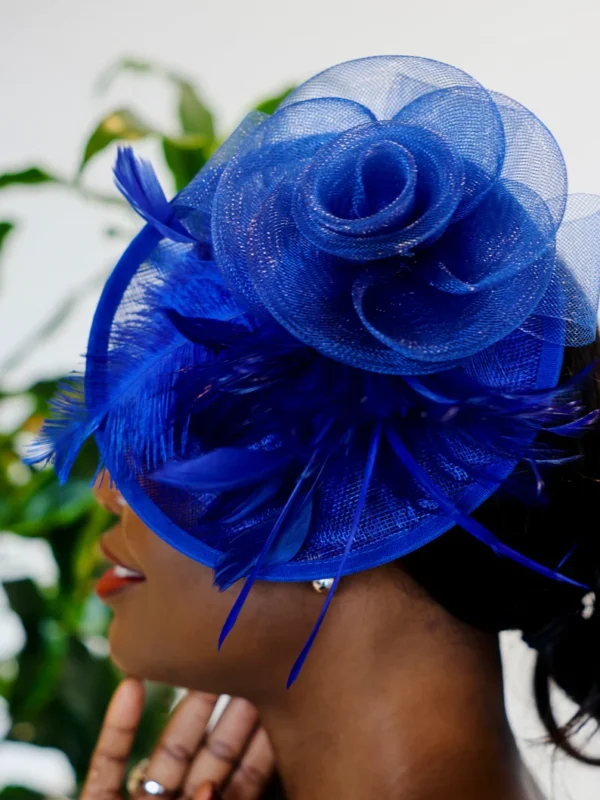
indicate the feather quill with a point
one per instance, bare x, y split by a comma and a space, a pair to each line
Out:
465, 521
366, 482
264, 552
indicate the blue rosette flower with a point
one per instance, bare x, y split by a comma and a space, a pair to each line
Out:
344, 335
395, 215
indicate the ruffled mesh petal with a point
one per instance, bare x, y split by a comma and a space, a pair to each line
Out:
418, 320
571, 300
469, 119
532, 155
384, 84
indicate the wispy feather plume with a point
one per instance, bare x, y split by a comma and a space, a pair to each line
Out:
136, 180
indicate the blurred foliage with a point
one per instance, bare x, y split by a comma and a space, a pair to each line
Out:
28, 177
58, 686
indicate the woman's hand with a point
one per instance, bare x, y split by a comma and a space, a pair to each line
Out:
234, 758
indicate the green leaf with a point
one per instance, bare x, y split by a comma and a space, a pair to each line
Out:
5, 228
194, 116
185, 156
40, 659
26, 600
19, 793
55, 506
125, 65
27, 177
133, 65
270, 104
120, 125
71, 715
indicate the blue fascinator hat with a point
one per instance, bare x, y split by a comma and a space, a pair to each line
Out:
345, 333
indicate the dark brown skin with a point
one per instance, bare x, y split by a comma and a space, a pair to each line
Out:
397, 698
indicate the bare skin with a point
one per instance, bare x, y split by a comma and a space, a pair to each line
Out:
397, 698
234, 756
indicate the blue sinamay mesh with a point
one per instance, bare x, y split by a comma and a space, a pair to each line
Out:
390, 257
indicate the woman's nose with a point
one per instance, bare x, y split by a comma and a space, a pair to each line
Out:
107, 494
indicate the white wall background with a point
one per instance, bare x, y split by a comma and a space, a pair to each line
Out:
542, 52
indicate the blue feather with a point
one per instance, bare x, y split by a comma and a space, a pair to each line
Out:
67, 428
239, 510
134, 395
223, 469
264, 552
465, 521
567, 555
214, 334
577, 427
237, 562
136, 180
367, 476
129, 390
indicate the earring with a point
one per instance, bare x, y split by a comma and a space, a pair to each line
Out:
322, 585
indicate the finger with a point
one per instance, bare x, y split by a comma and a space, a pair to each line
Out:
223, 746
254, 771
207, 791
109, 760
180, 740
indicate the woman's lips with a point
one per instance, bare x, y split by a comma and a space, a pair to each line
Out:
116, 578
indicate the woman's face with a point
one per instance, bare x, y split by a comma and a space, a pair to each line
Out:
166, 626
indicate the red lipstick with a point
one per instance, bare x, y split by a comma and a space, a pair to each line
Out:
118, 577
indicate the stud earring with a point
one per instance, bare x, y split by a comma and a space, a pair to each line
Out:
322, 585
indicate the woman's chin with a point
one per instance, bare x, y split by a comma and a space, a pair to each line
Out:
142, 657
135, 655
124, 652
